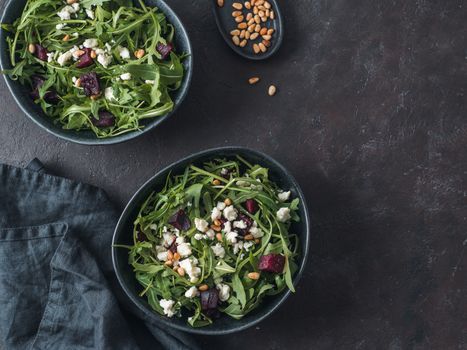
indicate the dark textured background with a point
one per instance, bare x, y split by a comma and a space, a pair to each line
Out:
370, 116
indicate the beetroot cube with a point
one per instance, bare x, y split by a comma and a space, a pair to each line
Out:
209, 299
90, 84
251, 206
106, 119
164, 50
85, 60
272, 263
41, 52
180, 220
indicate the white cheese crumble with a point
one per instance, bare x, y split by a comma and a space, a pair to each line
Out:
184, 249
201, 224
192, 292
283, 214
224, 291
218, 250
152, 82
240, 224
50, 56
237, 247
90, 43
66, 12
125, 76
248, 245
123, 52
60, 26
168, 306
210, 234
231, 237
198, 236
189, 265
64, 58
105, 60
283, 196
168, 238
256, 232
161, 253
221, 205
230, 213
90, 13
227, 227
215, 214
109, 95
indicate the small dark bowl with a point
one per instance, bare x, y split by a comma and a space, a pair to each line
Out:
226, 23
20, 93
124, 229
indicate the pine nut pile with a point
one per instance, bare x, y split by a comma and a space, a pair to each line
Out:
252, 25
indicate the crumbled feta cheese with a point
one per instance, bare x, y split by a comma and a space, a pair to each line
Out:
210, 234
184, 249
108, 47
125, 76
60, 26
231, 237
153, 227
201, 224
227, 227
99, 51
168, 238
90, 43
198, 236
75, 7
123, 52
90, 13
164, 229
74, 51
248, 245
161, 253
75, 34
215, 214
218, 250
256, 232
50, 56
74, 79
65, 13
224, 172
242, 183
105, 60
240, 224
109, 95
64, 58
283, 214
180, 240
237, 247
224, 291
189, 265
152, 82
168, 306
230, 213
221, 205
192, 292
283, 196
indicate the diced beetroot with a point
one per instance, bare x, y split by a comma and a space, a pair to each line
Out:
209, 299
90, 84
141, 237
85, 59
248, 221
164, 50
106, 119
272, 263
41, 52
180, 220
49, 97
225, 173
173, 247
251, 206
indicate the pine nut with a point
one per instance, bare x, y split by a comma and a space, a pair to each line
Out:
267, 37
139, 53
170, 255
257, 28
253, 275
228, 201
262, 47
251, 21
256, 48
94, 97
255, 10
237, 6
257, 19
235, 32
203, 287
247, 5
272, 90
78, 82
272, 15
169, 263
251, 28
261, 13
249, 16
264, 19
249, 237
239, 19
216, 228
66, 37
181, 271
217, 222
32, 48
243, 43
177, 256
216, 182
267, 5
220, 3
270, 31
252, 2
266, 43
236, 13
254, 36
267, 13
93, 54
259, 2
257, 240
261, 8
242, 25
253, 80
242, 34
236, 40
219, 237
247, 35
71, 2
78, 53
263, 31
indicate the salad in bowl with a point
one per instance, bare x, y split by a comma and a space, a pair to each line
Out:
215, 240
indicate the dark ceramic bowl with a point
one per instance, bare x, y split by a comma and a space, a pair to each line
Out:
20, 93
123, 235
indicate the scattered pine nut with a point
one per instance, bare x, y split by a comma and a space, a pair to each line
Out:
235, 32
249, 16
257, 28
253, 275
169, 263
78, 82
272, 15
272, 90
216, 182
32, 48
94, 97
242, 25
139, 53
236, 13
66, 37
249, 237
251, 28
256, 48
242, 34
203, 287
257, 19
257, 241
216, 228
267, 37
262, 47
93, 54
253, 80
236, 40
243, 43
270, 31
267, 5
247, 35
263, 31
181, 271
237, 5
217, 222
228, 201
177, 256
220, 3
254, 36
219, 237
71, 2
170, 255
247, 5
239, 19
266, 43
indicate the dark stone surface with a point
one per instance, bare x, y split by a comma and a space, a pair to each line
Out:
370, 116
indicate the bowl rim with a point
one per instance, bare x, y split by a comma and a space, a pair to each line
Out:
205, 330
76, 138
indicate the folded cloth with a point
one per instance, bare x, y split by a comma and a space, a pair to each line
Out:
57, 287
